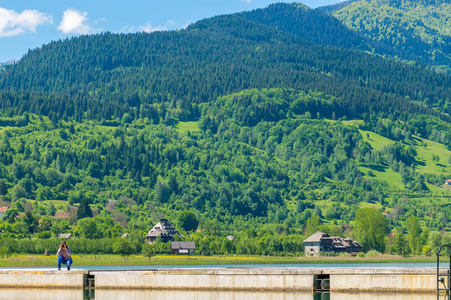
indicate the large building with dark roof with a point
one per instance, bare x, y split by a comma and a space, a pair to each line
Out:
322, 242
183, 247
163, 229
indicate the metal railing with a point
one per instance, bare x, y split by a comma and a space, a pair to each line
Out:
443, 280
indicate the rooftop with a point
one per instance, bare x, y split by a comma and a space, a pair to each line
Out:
183, 245
62, 215
316, 237
164, 227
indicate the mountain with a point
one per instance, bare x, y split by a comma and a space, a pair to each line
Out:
255, 122
415, 30
9, 62
116, 73
311, 25
329, 9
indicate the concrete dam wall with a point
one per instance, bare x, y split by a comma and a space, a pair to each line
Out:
340, 280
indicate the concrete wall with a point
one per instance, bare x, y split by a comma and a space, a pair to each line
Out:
41, 294
383, 296
202, 295
267, 279
343, 280
263, 279
41, 278
312, 249
383, 280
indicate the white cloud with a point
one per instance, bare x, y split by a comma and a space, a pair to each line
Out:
75, 21
149, 28
13, 23
247, 1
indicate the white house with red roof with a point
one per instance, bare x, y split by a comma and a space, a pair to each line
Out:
2, 211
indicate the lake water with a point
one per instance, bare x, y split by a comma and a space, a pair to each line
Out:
37, 294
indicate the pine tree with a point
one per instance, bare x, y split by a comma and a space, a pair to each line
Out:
84, 210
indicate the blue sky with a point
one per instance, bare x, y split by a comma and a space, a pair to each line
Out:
27, 24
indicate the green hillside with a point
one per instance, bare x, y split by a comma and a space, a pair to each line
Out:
431, 158
416, 30
239, 124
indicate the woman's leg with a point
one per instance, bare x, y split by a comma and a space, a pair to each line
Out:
69, 263
60, 261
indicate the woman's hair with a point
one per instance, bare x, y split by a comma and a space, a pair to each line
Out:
63, 243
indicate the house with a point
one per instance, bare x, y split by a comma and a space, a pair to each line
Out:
231, 238
65, 235
2, 211
187, 248
163, 229
448, 182
62, 215
322, 242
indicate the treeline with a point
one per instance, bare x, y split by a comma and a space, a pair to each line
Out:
77, 246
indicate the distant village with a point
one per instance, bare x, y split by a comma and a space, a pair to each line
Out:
315, 245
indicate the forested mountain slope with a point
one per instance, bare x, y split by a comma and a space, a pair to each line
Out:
329, 9
417, 30
104, 117
107, 75
311, 25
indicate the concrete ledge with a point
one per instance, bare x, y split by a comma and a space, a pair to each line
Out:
261, 279
382, 271
396, 280
41, 278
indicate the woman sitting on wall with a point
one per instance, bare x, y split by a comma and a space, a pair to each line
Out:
64, 256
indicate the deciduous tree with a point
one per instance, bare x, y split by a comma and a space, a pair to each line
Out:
371, 227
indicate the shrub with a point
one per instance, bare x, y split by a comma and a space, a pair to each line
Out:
372, 253
4, 251
45, 235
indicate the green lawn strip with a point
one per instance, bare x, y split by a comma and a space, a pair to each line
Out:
135, 260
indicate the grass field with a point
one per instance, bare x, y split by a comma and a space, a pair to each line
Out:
184, 127
386, 174
376, 141
424, 157
138, 260
371, 205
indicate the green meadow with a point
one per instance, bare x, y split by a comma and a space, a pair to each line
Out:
23, 260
